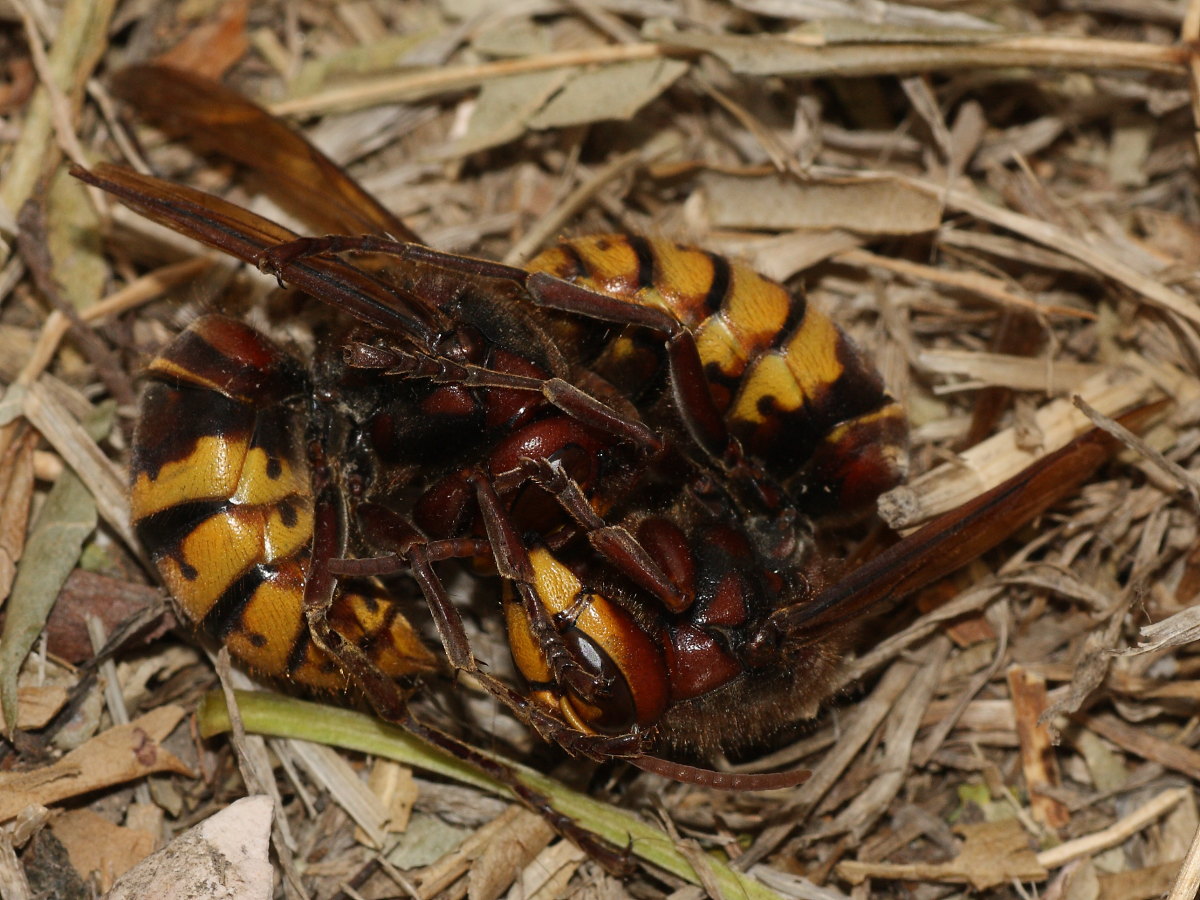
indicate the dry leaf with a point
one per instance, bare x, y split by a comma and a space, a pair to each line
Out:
1149, 883
505, 106
849, 49
993, 853
777, 202
37, 705
524, 838
547, 877
875, 14
396, 789
16, 487
615, 91
1079, 881
1143, 743
97, 845
64, 522
110, 600
1017, 372
80, 269
120, 754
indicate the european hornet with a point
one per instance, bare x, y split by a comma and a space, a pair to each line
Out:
633, 435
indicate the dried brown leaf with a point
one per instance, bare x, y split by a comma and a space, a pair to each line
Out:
121, 754
434, 80
507, 854
1143, 743
396, 789
37, 705
548, 876
1149, 883
73, 242
457, 862
16, 487
111, 601
993, 853
98, 846
1105, 765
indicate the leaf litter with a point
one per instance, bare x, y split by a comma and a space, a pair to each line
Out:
1028, 725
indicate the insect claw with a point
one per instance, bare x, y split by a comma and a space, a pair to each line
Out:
267, 265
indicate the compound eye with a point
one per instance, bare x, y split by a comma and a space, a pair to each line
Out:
613, 710
620, 682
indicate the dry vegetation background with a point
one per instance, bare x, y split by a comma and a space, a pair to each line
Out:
998, 199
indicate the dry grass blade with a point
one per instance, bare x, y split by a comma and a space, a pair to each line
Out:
419, 85
16, 486
80, 450
808, 55
1037, 761
1114, 834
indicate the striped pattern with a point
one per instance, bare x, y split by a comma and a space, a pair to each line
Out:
793, 388
221, 498
604, 636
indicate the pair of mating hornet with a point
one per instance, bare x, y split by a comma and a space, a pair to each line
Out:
633, 435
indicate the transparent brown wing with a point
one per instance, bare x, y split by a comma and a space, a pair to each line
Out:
955, 538
218, 120
245, 235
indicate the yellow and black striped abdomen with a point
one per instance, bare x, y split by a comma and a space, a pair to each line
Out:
792, 386
222, 499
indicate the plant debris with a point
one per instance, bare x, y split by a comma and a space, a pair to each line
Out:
998, 201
